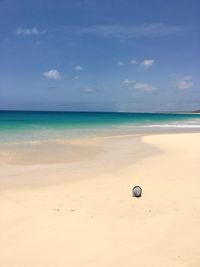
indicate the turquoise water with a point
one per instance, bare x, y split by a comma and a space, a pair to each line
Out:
40, 126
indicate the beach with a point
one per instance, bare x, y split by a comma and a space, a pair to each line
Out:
79, 211
99, 133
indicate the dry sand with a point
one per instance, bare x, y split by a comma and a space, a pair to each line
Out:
81, 213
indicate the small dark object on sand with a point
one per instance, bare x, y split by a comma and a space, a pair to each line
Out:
137, 191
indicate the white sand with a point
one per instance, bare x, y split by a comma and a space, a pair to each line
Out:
81, 214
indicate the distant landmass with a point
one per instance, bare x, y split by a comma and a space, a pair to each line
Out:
196, 111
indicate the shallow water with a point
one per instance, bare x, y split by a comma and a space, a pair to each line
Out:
37, 127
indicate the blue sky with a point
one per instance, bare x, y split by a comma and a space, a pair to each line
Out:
114, 55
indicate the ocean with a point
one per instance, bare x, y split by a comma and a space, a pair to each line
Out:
32, 126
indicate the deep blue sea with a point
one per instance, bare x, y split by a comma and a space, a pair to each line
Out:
29, 126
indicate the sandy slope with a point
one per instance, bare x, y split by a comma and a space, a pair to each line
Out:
82, 213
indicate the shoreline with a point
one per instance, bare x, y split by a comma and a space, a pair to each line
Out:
65, 150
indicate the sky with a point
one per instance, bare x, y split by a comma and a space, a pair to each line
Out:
100, 55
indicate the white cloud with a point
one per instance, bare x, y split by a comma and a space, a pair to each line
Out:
128, 82
121, 32
33, 31
52, 74
89, 90
125, 32
133, 61
120, 63
147, 63
144, 87
135, 85
184, 82
78, 68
